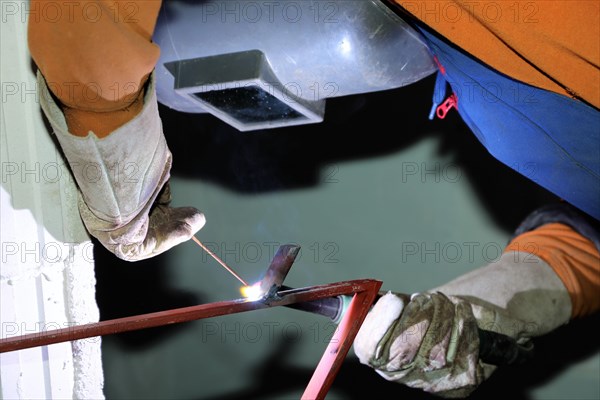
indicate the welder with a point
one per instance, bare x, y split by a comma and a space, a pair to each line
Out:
97, 89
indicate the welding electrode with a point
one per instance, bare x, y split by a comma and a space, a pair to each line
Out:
217, 259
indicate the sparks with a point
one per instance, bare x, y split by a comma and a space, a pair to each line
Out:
253, 292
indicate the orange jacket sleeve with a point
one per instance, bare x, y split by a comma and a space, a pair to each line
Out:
96, 57
553, 45
573, 257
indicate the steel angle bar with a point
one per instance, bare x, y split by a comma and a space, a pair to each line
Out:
364, 291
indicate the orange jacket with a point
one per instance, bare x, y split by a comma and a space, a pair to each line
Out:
573, 257
553, 45
97, 61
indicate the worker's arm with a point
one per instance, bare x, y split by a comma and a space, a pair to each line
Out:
546, 276
95, 75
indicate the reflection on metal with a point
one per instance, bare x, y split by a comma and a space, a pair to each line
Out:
274, 276
364, 291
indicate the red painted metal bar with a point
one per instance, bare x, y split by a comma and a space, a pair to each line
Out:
340, 343
179, 315
365, 292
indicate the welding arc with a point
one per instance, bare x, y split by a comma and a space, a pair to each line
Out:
213, 255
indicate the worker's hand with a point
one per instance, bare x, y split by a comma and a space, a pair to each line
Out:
154, 230
431, 342
123, 182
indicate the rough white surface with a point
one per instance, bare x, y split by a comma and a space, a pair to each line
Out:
47, 270
80, 281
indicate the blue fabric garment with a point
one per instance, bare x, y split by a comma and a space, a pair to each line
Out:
551, 139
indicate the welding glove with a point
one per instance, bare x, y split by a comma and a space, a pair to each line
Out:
431, 341
123, 180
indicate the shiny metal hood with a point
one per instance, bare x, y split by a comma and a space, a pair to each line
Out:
269, 64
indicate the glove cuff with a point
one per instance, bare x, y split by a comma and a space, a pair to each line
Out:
518, 295
121, 174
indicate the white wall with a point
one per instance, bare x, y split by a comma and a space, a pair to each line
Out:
47, 272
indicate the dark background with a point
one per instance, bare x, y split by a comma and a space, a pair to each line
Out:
290, 159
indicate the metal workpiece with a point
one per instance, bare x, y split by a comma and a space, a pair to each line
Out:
258, 65
180, 315
323, 299
331, 307
273, 278
271, 285
363, 294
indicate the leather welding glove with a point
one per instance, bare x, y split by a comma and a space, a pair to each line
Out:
431, 342
123, 180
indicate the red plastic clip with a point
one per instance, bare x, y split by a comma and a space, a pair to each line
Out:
447, 105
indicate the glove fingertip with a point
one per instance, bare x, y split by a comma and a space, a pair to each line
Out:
196, 221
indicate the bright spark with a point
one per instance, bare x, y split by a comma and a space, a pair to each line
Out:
253, 292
